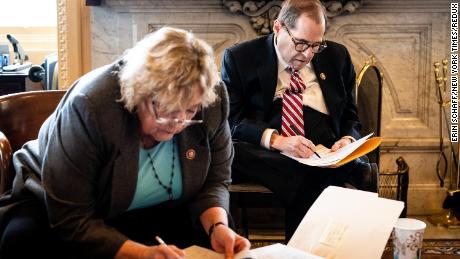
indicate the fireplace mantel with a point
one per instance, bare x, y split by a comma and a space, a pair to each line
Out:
406, 37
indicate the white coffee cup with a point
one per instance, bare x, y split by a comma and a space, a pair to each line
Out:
408, 238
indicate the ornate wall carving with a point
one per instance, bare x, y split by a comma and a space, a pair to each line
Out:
262, 14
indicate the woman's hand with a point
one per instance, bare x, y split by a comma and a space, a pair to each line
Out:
225, 240
162, 252
131, 249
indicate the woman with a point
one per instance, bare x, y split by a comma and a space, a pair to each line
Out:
131, 148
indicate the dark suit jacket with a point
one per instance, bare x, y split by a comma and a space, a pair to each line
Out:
88, 152
250, 72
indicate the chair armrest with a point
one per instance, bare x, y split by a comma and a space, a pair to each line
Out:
6, 172
365, 175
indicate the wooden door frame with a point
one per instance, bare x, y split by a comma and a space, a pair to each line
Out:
74, 40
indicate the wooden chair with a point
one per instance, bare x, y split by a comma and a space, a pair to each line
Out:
22, 115
249, 195
5, 162
369, 84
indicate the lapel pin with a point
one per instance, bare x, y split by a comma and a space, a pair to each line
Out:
322, 76
190, 154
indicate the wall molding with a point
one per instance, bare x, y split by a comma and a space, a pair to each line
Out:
219, 36
63, 39
177, 6
74, 45
401, 108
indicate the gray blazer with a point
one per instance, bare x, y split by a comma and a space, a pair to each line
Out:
88, 151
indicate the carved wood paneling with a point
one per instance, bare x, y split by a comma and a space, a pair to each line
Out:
74, 45
63, 39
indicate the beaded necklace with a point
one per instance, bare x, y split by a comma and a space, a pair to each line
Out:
168, 189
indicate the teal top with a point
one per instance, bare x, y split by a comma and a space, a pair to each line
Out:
149, 191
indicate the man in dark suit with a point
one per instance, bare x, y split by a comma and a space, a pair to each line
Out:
290, 91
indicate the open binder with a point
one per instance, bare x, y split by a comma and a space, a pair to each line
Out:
341, 224
343, 155
345, 223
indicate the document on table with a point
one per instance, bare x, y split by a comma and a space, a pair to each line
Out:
198, 252
280, 251
275, 251
345, 223
343, 155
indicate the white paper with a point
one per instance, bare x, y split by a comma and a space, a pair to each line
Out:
277, 251
198, 252
346, 223
331, 158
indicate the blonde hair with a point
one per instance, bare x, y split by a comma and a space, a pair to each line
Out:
168, 66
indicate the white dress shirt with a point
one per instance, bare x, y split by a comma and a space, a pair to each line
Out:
312, 95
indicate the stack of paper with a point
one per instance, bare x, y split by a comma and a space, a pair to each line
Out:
197, 252
280, 251
343, 155
346, 223
341, 224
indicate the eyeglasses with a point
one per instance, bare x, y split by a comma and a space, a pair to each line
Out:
169, 120
302, 45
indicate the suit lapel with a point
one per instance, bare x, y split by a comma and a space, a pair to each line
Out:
194, 158
125, 166
268, 74
329, 82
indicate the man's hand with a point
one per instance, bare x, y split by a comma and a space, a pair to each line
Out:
295, 146
340, 143
225, 240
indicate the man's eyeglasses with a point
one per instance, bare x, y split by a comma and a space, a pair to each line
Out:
172, 121
302, 45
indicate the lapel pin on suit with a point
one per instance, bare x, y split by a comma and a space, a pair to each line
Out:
322, 76
190, 154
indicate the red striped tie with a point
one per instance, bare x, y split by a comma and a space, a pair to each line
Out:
292, 113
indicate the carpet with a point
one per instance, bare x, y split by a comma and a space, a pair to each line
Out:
430, 246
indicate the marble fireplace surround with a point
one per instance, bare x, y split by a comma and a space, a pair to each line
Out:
405, 36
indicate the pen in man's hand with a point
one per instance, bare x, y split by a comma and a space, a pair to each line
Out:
298, 133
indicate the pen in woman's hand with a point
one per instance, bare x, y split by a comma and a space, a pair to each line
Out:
172, 249
159, 240
298, 133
